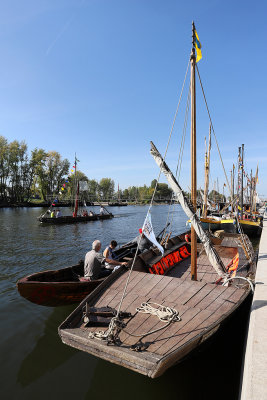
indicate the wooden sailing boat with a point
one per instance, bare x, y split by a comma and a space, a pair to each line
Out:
208, 222
247, 222
118, 203
195, 284
74, 218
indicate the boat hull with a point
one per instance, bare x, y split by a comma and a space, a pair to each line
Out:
209, 224
250, 228
62, 287
46, 289
68, 219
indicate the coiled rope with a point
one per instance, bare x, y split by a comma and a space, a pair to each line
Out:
167, 315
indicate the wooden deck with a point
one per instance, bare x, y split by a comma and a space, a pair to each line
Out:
201, 304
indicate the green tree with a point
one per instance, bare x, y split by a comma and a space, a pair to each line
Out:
52, 174
153, 183
4, 167
37, 172
163, 191
92, 190
106, 188
18, 166
125, 194
72, 187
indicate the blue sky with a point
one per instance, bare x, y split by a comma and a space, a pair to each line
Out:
103, 77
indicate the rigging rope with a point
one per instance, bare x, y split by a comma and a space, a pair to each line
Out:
115, 320
213, 130
181, 152
170, 135
154, 189
243, 239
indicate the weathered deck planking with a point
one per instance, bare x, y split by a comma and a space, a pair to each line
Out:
202, 306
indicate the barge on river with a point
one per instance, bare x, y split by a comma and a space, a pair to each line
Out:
69, 219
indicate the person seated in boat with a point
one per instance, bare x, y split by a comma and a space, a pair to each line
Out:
52, 215
94, 263
143, 242
91, 214
58, 214
85, 213
109, 253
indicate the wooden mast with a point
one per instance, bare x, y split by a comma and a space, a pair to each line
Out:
207, 171
241, 189
251, 194
76, 185
193, 156
233, 187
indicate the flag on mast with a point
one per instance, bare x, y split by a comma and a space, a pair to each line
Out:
147, 230
198, 47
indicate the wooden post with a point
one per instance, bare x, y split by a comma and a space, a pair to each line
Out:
193, 157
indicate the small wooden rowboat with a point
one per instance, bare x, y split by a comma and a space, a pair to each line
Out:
202, 305
56, 288
69, 219
63, 286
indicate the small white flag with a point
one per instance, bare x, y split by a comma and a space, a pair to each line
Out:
147, 230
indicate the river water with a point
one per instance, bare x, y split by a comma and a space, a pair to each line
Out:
34, 362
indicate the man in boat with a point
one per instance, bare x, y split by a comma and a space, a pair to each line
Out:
101, 211
58, 214
52, 215
94, 263
143, 242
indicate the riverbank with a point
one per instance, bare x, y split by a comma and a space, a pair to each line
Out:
70, 204
33, 204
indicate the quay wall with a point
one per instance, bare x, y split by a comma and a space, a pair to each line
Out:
254, 379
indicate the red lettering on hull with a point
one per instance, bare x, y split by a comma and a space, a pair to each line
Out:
169, 260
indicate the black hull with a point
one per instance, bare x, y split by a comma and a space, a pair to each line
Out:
249, 228
73, 220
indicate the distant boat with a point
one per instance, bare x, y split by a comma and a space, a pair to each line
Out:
117, 204
249, 227
68, 219
75, 217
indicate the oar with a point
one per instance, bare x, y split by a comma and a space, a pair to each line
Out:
104, 207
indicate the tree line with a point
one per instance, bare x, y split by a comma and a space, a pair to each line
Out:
42, 174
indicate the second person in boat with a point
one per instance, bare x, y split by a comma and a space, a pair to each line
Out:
94, 263
109, 253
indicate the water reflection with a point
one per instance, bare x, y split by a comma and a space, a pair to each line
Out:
48, 353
